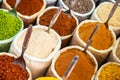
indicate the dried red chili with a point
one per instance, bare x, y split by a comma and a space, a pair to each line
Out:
10, 71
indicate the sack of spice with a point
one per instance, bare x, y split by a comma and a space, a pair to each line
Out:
115, 54
28, 10
47, 78
64, 25
41, 49
10, 26
102, 42
10, 71
101, 14
82, 8
109, 71
85, 68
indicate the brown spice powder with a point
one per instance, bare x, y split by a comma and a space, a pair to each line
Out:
64, 24
84, 68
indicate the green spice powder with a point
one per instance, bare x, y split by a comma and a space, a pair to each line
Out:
9, 25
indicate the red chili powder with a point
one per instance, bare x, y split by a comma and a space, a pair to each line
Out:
10, 71
27, 7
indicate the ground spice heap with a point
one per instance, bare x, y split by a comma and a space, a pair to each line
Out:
9, 25
81, 6
10, 71
64, 24
101, 40
110, 72
84, 68
27, 7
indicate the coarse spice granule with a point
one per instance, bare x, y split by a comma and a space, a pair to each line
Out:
9, 25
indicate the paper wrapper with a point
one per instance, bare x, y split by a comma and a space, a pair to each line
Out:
96, 17
100, 55
80, 17
52, 71
37, 65
113, 55
27, 19
11, 55
99, 71
65, 39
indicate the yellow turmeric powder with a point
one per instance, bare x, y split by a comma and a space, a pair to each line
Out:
84, 68
101, 40
110, 72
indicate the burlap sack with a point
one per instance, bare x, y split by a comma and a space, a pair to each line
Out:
65, 39
11, 55
99, 54
38, 66
52, 71
27, 19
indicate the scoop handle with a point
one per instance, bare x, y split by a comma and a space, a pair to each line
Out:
112, 11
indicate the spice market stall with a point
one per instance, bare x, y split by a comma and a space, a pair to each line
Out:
62, 45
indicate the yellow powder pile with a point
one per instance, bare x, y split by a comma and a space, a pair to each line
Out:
101, 40
110, 72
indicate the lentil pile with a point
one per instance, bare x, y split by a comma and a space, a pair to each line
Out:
81, 6
9, 25
10, 71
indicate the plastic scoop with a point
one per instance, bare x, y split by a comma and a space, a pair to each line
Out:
13, 11
20, 60
54, 19
90, 38
70, 67
69, 10
111, 13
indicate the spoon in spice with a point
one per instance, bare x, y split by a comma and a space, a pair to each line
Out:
111, 13
69, 10
54, 19
70, 67
90, 38
13, 11
20, 60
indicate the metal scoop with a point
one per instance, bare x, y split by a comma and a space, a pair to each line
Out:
13, 11
20, 60
111, 13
